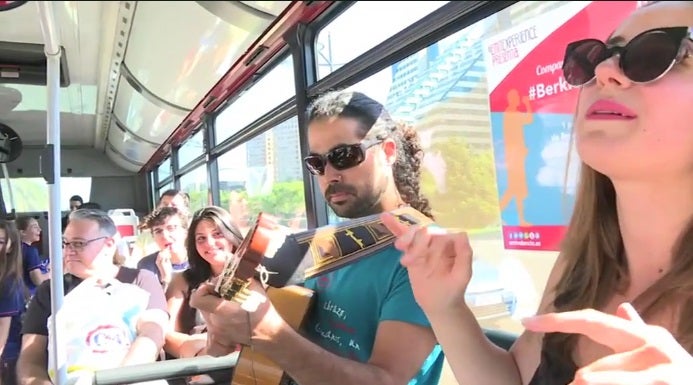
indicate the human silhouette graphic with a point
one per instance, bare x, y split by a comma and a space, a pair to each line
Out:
514, 122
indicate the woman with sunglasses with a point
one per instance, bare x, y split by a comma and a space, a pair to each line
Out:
212, 236
629, 244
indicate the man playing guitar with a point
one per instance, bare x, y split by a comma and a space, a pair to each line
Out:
365, 327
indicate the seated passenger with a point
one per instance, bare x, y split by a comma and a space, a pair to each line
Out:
35, 270
618, 305
168, 226
211, 239
365, 327
13, 296
145, 245
75, 203
91, 206
88, 252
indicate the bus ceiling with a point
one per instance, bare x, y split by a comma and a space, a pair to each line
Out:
267, 45
136, 77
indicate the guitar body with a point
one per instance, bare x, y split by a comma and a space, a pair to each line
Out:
293, 303
288, 259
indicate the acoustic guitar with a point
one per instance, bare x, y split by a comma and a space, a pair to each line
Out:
284, 260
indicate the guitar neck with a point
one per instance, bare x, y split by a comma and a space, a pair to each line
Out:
315, 252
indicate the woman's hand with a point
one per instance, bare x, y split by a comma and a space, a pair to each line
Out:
643, 354
439, 263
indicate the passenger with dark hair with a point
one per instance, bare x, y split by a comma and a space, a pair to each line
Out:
76, 202
13, 296
145, 245
91, 205
365, 327
341, 116
211, 239
175, 198
169, 227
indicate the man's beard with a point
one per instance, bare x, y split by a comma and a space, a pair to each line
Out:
362, 204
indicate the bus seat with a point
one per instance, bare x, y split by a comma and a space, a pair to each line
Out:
126, 222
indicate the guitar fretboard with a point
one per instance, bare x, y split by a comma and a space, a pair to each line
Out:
315, 252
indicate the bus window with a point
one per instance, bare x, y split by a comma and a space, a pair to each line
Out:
339, 42
164, 170
195, 184
31, 194
265, 174
192, 148
275, 87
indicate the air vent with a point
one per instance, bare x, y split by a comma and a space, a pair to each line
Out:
25, 63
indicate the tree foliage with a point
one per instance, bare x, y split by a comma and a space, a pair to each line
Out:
29, 194
285, 201
470, 198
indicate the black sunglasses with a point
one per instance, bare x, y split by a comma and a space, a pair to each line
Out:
341, 157
647, 57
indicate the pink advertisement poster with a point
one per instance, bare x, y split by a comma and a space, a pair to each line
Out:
532, 110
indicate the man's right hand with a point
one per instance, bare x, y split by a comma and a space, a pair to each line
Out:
439, 264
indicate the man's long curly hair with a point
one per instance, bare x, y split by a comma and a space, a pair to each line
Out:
376, 123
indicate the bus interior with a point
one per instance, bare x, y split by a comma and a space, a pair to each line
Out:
118, 101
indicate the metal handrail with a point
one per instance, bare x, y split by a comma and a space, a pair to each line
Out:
53, 52
171, 369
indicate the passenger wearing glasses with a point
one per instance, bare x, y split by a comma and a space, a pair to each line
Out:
169, 227
618, 305
365, 327
145, 244
88, 250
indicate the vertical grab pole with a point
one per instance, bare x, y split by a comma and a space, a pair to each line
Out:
50, 163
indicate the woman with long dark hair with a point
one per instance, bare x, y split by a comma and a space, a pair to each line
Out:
212, 237
13, 296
